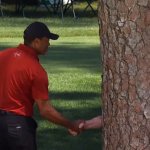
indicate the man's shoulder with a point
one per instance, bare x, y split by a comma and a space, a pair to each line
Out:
36, 66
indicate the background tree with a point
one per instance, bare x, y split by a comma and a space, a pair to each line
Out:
125, 46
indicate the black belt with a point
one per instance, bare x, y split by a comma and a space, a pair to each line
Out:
4, 113
30, 120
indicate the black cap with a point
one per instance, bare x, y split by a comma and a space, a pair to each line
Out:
39, 30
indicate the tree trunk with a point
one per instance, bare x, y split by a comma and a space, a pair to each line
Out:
125, 47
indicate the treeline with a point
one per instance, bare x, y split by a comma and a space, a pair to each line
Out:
31, 2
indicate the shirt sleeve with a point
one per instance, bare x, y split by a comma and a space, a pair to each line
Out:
40, 85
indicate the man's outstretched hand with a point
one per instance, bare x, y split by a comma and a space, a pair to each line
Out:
78, 127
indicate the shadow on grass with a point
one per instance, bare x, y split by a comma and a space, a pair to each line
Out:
85, 112
75, 56
72, 55
59, 139
74, 95
2, 47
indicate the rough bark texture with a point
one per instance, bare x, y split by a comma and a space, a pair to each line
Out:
125, 46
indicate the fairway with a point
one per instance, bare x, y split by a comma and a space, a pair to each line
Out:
74, 70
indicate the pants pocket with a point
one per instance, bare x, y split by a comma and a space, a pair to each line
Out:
14, 130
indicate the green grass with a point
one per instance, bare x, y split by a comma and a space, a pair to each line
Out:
74, 72
66, 28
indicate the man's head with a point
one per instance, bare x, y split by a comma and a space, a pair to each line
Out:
37, 36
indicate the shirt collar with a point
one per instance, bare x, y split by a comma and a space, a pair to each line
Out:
28, 50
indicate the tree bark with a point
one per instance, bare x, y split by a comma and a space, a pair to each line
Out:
125, 47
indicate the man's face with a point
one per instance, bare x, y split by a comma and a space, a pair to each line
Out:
41, 45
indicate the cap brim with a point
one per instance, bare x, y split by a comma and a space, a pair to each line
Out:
53, 36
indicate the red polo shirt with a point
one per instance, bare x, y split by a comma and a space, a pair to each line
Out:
22, 80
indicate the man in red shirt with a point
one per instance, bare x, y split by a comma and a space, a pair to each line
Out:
23, 82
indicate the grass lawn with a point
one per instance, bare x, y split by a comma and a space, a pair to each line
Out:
74, 71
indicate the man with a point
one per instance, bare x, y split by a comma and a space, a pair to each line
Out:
23, 82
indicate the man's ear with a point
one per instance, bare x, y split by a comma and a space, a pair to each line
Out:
35, 42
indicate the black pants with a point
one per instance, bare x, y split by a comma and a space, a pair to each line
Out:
17, 132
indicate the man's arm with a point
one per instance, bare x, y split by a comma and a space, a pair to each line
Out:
94, 123
48, 112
